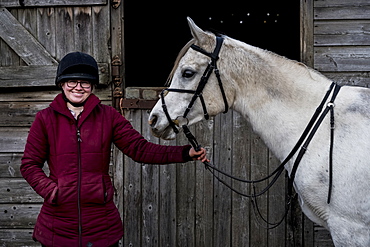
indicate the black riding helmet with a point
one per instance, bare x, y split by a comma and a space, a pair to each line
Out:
79, 66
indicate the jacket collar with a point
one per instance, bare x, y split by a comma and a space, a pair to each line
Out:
60, 106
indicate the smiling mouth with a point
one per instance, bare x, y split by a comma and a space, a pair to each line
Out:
77, 93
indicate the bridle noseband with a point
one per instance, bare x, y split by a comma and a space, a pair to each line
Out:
198, 93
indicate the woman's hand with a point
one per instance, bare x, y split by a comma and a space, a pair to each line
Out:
200, 155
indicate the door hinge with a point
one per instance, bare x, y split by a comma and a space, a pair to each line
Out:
116, 76
116, 81
116, 3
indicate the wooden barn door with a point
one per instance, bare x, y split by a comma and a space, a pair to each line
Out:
34, 36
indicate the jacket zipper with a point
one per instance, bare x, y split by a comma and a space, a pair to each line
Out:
79, 140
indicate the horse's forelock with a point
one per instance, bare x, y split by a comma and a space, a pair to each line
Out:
177, 61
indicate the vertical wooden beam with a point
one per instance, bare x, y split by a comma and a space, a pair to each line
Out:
204, 188
131, 181
185, 201
223, 195
64, 31
128, 179
117, 46
241, 165
306, 34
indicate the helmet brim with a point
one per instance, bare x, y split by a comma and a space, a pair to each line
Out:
78, 76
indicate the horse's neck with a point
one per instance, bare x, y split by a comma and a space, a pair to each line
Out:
279, 97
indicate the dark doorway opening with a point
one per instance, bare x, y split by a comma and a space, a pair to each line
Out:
155, 31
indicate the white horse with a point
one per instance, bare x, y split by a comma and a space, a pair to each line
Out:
278, 97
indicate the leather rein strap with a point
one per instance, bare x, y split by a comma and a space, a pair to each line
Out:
329, 107
307, 135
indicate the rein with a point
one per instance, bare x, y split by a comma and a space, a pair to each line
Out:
305, 138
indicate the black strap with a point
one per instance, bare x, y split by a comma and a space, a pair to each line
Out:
164, 107
332, 127
279, 170
212, 66
330, 107
217, 73
198, 92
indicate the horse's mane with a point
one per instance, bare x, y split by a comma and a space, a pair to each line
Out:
177, 61
182, 52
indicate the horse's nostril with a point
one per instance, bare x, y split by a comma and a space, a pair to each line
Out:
153, 120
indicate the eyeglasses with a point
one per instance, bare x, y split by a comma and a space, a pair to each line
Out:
83, 84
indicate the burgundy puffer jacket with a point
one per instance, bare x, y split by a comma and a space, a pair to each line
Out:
78, 207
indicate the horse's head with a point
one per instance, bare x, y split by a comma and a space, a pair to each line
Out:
195, 92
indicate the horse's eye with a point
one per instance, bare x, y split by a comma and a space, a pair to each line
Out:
188, 73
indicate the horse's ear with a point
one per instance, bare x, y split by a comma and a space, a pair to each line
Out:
198, 34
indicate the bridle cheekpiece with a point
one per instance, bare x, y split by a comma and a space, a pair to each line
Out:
198, 93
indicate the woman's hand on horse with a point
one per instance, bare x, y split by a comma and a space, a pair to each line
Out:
198, 155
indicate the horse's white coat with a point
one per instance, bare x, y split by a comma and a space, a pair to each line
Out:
278, 97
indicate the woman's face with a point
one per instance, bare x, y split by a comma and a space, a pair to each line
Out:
77, 91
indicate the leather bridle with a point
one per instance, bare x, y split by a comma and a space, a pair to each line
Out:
198, 93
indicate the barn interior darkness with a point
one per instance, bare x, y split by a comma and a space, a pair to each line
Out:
155, 31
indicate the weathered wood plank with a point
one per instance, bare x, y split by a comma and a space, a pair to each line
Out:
27, 76
27, 18
8, 56
276, 204
44, 3
18, 215
167, 200
241, 206
222, 194
306, 32
340, 3
340, 33
259, 169
330, 59
132, 221
13, 140
150, 186
46, 29
19, 113
322, 237
100, 36
83, 29
308, 233
342, 13
361, 79
204, 187
9, 165
39, 76
185, 201
22, 42
64, 26
17, 237
17, 191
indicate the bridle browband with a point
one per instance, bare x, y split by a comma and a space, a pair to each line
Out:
198, 93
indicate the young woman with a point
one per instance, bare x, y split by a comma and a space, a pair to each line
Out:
74, 136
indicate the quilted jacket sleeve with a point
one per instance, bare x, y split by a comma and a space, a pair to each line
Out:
33, 160
134, 145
